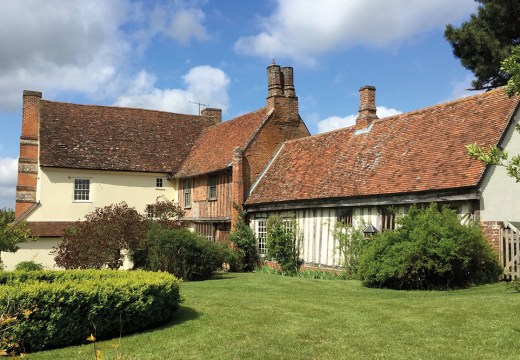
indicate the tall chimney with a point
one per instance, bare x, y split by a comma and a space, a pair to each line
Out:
274, 81
288, 85
367, 107
213, 114
28, 161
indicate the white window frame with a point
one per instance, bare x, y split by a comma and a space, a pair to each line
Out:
261, 235
88, 190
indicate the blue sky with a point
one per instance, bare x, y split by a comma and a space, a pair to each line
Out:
163, 54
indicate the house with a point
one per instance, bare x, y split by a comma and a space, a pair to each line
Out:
75, 158
359, 174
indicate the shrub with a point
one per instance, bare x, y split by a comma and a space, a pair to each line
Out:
514, 285
183, 253
66, 304
244, 240
97, 242
351, 245
429, 250
282, 243
28, 266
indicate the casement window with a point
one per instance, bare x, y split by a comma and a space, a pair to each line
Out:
150, 211
82, 190
159, 183
187, 186
346, 216
261, 233
212, 186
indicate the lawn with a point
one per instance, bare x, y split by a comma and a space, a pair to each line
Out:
263, 316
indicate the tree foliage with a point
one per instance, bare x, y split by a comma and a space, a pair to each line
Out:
282, 243
351, 244
243, 240
486, 39
12, 234
511, 66
430, 249
97, 242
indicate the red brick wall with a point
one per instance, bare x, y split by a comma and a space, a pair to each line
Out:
491, 230
28, 161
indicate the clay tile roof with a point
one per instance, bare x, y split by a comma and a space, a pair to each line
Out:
115, 138
413, 152
214, 149
49, 228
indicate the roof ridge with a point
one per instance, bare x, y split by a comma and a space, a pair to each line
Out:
118, 107
236, 118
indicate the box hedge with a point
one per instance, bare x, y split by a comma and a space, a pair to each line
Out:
66, 305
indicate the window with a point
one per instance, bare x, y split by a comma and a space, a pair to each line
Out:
150, 211
187, 185
387, 219
206, 230
346, 216
159, 182
81, 189
212, 187
261, 231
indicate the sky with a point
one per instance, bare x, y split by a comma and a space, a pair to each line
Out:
168, 54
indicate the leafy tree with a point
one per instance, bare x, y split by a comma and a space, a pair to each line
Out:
486, 39
511, 66
430, 249
97, 242
167, 214
244, 241
282, 243
12, 234
493, 155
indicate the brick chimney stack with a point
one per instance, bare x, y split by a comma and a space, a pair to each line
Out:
367, 107
281, 95
213, 114
28, 161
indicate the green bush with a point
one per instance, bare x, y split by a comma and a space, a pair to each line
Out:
282, 243
245, 245
66, 304
351, 245
430, 249
28, 266
183, 253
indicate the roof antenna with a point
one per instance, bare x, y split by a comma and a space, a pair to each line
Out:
274, 62
198, 103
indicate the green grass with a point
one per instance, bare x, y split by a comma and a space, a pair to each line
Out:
262, 316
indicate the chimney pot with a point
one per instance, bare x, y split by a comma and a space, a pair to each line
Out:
274, 81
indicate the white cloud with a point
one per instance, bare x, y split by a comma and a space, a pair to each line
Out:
59, 45
302, 29
83, 46
8, 177
337, 122
204, 84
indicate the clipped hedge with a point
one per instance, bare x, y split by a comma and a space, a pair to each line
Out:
66, 304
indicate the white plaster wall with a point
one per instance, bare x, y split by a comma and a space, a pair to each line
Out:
37, 251
500, 199
56, 187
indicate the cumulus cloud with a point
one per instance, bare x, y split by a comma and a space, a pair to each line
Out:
302, 29
59, 45
82, 46
337, 122
204, 84
8, 177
